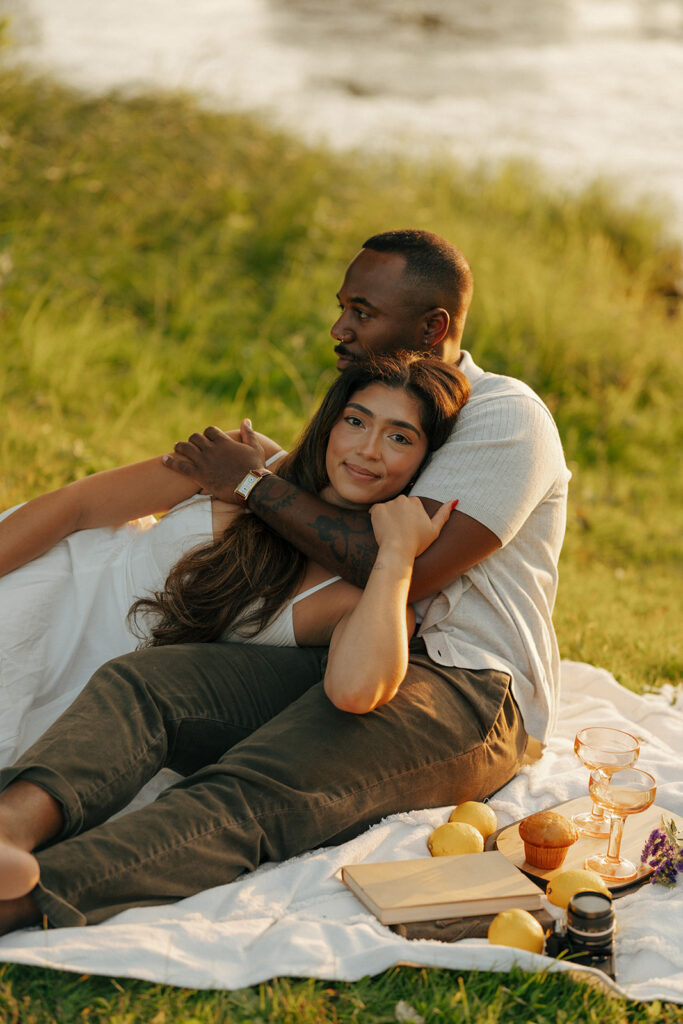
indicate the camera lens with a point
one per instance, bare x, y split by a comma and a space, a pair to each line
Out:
590, 922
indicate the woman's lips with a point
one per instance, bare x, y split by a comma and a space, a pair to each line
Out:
358, 473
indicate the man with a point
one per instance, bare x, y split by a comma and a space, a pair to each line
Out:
273, 768
412, 290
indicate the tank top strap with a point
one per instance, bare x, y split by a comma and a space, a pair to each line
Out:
313, 590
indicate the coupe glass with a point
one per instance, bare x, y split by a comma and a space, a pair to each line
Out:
609, 750
628, 791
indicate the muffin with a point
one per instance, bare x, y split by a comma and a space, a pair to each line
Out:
547, 836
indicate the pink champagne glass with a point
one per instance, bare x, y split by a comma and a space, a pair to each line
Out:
624, 792
609, 750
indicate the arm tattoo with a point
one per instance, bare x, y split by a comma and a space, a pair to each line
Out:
274, 494
349, 544
340, 539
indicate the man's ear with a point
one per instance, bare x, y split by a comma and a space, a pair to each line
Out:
436, 323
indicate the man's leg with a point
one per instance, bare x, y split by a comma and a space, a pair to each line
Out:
312, 775
179, 707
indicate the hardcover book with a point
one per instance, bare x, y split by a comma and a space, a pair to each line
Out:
434, 888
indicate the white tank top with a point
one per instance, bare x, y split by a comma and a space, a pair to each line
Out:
279, 632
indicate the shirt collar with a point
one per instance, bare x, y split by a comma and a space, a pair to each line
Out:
468, 366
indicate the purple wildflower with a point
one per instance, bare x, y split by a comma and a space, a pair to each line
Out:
665, 872
654, 845
664, 854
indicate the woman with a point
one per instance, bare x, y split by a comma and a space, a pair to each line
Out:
72, 573
371, 435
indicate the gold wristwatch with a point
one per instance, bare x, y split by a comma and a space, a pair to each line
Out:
248, 483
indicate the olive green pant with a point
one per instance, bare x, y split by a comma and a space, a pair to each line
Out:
271, 768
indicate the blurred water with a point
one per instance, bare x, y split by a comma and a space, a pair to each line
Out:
585, 87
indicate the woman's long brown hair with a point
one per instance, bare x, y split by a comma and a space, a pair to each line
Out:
216, 584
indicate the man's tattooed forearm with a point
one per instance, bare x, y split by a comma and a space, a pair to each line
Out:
344, 542
348, 543
273, 494
362, 563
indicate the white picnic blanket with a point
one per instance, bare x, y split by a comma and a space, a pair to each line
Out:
298, 919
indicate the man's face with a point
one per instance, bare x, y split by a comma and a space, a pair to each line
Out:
377, 309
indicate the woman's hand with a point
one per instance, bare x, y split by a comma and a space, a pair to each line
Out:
403, 524
369, 649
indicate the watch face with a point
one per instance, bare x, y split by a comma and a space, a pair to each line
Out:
246, 485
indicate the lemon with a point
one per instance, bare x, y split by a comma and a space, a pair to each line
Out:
455, 837
517, 928
562, 886
481, 816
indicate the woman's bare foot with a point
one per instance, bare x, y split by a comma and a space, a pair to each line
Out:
29, 817
19, 874
19, 913
19, 871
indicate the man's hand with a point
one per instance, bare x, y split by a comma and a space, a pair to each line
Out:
216, 461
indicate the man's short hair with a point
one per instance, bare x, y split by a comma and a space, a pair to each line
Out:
437, 267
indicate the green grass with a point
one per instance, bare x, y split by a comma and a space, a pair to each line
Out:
163, 267
42, 997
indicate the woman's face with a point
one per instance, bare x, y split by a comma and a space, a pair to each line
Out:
375, 447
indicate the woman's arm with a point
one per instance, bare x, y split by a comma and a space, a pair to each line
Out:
103, 499
368, 656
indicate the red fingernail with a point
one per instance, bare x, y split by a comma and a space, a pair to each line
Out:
454, 503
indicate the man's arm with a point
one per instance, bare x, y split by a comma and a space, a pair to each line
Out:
344, 543
336, 538
340, 540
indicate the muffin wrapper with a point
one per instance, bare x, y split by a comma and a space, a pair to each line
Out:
545, 856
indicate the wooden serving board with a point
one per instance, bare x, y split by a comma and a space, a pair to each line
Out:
636, 831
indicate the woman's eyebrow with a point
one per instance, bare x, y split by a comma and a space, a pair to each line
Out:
394, 423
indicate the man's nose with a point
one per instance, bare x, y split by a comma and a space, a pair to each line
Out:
339, 330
